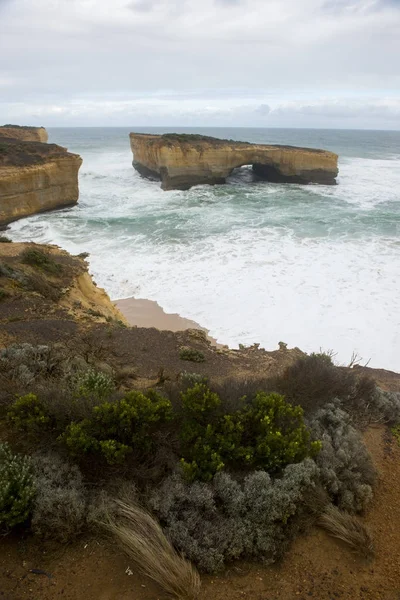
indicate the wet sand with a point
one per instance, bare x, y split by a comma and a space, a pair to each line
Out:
148, 313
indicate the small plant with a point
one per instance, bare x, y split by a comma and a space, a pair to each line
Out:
94, 384
143, 540
349, 529
116, 429
227, 519
41, 260
191, 354
3, 294
94, 313
190, 379
266, 433
396, 433
17, 488
28, 413
4, 239
314, 380
60, 505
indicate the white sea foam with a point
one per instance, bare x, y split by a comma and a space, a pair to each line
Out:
313, 267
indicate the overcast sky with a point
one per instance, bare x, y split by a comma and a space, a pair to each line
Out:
261, 63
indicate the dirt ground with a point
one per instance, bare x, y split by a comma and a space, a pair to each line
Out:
316, 566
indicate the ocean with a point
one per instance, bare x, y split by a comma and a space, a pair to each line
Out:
316, 267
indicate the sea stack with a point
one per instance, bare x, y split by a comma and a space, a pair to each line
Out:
34, 176
181, 161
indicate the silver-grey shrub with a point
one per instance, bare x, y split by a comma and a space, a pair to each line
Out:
25, 363
346, 469
60, 505
212, 523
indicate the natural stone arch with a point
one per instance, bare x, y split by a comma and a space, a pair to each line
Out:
181, 161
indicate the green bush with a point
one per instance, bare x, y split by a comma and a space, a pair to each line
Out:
16, 487
41, 260
5, 240
116, 429
94, 384
28, 413
191, 354
267, 433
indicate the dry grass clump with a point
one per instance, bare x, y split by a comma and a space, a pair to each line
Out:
349, 529
142, 538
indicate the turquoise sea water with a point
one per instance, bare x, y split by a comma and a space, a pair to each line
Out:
313, 266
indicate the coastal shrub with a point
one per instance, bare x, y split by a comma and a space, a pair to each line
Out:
41, 260
267, 433
25, 363
378, 406
346, 469
3, 294
17, 488
60, 505
94, 384
314, 380
191, 354
116, 429
233, 391
4, 239
226, 519
37, 283
28, 413
189, 379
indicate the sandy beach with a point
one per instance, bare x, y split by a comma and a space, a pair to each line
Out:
140, 312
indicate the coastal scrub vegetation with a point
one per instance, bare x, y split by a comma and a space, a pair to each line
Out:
191, 354
41, 260
229, 469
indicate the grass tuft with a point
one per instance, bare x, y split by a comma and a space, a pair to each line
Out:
142, 538
349, 529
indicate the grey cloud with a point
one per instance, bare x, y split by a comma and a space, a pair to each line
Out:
141, 5
196, 60
263, 109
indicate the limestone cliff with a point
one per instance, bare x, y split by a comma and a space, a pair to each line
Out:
24, 134
181, 161
35, 177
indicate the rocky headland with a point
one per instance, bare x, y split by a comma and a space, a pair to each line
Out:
34, 176
182, 161
24, 133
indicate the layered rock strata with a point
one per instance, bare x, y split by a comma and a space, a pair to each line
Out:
35, 177
24, 134
181, 161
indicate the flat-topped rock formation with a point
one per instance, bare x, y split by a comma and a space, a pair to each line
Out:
181, 160
35, 177
24, 134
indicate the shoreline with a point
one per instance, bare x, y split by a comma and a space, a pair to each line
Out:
140, 312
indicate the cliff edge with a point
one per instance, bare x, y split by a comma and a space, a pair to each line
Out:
35, 177
181, 160
23, 133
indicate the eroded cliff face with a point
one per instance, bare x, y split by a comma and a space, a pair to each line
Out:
181, 161
24, 134
35, 177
